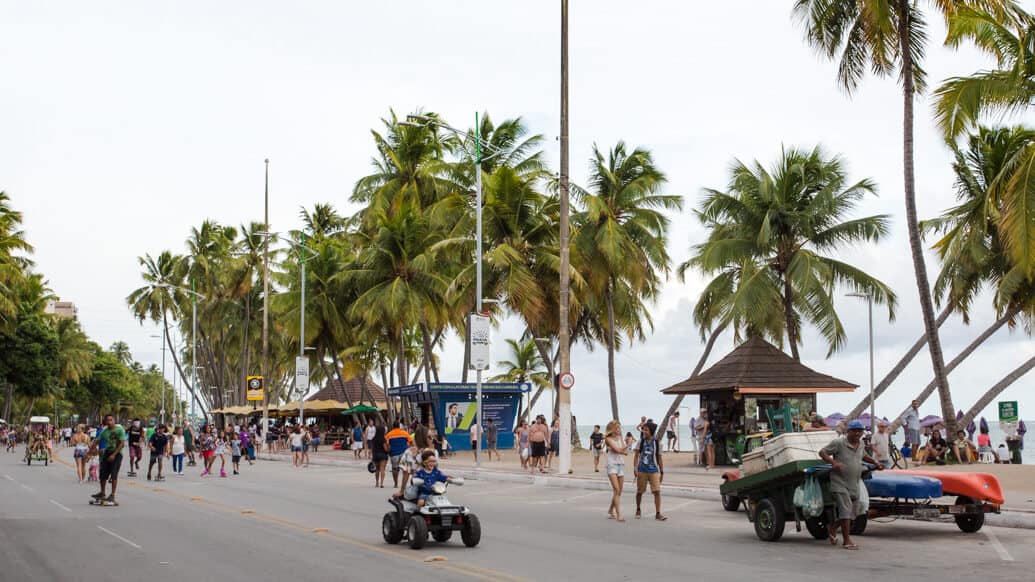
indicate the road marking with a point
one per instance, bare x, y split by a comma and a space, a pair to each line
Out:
117, 536
999, 549
569, 499
25, 487
684, 504
9, 478
61, 506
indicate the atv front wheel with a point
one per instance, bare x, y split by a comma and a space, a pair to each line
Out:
417, 531
391, 529
472, 531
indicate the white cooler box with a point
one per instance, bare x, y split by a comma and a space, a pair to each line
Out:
796, 446
753, 462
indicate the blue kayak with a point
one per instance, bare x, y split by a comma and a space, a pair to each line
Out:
883, 484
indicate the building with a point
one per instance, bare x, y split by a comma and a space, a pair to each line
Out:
63, 309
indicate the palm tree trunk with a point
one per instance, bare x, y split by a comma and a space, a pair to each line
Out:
243, 361
959, 360
428, 356
788, 314
697, 370
996, 390
899, 367
545, 355
183, 376
611, 351
28, 411
9, 396
934, 344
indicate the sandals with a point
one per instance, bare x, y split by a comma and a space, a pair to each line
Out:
660, 517
832, 538
850, 546
637, 514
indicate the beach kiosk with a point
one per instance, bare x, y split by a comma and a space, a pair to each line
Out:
453, 407
748, 391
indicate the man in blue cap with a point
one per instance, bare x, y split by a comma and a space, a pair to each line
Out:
846, 455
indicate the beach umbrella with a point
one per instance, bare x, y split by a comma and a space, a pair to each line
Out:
971, 429
865, 419
831, 420
930, 420
983, 424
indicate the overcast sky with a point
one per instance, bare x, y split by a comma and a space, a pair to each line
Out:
124, 124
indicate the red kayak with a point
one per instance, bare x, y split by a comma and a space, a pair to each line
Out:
977, 486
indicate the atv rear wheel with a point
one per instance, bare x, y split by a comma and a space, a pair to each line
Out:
391, 528
472, 532
417, 531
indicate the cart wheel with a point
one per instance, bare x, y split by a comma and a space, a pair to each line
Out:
858, 525
817, 526
769, 520
969, 523
730, 502
418, 532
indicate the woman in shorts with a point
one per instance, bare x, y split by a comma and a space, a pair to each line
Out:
81, 444
616, 452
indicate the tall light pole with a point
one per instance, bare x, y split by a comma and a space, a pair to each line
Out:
162, 413
266, 308
869, 307
193, 337
564, 333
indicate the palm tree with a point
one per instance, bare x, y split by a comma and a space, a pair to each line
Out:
621, 236
121, 351
887, 37
74, 353
787, 218
13, 263
524, 366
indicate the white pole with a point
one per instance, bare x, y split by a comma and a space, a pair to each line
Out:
165, 338
873, 398
301, 339
478, 271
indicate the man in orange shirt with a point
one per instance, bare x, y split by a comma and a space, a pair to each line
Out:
398, 441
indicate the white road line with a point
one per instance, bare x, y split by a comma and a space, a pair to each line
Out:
684, 504
61, 506
999, 549
9, 478
25, 487
117, 536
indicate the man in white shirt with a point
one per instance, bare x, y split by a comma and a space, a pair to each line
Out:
911, 420
881, 444
476, 434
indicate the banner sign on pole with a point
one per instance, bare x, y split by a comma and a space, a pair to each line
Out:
479, 338
255, 388
1008, 411
302, 374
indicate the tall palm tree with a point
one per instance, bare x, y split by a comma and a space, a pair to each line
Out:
788, 218
524, 365
120, 349
13, 261
887, 37
622, 235
74, 353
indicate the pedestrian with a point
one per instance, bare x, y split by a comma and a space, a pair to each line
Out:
706, 438
207, 445
555, 440
648, 468
379, 455
936, 450
248, 445
673, 432
296, 446
357, 440
189, 444
522, 443
178, 448
307, 441
911, 420
235, 452
114, 438
815, 423
81, 442
985, 443
314, 439
398, 441
271, 440
491, 440
537, 437
369, 435
615, 466
475, 432
846, 455
881, 442
596, 446
221, 444
630, 440
135, 435
156, 444
66, 435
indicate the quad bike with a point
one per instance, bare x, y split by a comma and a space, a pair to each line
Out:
439, 517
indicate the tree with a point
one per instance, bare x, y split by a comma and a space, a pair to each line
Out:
524, 366
13, 263
74, 351
621, 236
886, 37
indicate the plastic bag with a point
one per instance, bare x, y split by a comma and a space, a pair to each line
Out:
811, 497
864, 498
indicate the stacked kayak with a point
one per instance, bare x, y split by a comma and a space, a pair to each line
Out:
902, 486
977, 486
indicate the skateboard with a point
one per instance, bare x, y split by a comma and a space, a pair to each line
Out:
131, 474
104, 502
161, 478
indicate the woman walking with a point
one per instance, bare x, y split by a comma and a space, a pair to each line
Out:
177, 450
555, 441
207, 442
307, 441
616, 451
522, 432
704, 430
81, 442
221, 452
296, 447
189, 444
379, 455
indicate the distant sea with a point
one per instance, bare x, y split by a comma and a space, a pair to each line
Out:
685, 444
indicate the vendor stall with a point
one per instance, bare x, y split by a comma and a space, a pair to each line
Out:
453, 408
756, 388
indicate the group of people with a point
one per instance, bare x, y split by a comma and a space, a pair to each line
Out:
537, 444
648, 464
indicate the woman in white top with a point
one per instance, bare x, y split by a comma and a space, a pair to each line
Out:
615, 467
296, 439
177, 450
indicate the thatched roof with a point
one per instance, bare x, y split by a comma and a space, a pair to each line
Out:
757, 366
335, 390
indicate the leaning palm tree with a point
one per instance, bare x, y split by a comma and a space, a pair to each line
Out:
622, 235
887, 37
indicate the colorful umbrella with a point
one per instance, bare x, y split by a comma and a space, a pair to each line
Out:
831, 420
971, 429
930, 420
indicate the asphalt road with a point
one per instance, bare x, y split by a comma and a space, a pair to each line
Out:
323, 523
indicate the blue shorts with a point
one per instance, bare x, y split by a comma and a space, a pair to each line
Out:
296, 449
913, 436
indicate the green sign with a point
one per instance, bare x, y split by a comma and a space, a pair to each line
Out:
1008, 411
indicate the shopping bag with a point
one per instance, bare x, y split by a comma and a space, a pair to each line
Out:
812, 497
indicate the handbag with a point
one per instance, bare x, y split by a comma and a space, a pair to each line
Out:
371, 467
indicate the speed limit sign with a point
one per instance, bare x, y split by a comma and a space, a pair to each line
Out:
567, 380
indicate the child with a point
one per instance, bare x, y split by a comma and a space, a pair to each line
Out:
430, 474
92, 465
221, 452
235, 451
409, 467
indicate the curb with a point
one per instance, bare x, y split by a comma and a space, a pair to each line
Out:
1011, 519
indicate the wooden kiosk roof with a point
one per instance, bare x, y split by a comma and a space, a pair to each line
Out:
758, 367
336, 391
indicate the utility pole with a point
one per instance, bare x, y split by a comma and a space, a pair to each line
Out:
564, 332
266, 308
301, 337
478, 271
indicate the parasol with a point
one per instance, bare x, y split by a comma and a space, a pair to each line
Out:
930, 420
971, 429
831, 420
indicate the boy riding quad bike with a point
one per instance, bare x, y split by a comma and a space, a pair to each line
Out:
424, 509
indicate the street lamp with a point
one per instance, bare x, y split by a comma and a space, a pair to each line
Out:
869, 306
162, 388
193, 336
425, 120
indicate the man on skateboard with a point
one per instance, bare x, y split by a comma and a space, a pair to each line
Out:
135, 435
114, 438
157, 444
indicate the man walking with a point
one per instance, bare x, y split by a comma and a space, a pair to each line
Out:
476, 435
846, 455
157, 444
398, 441
113, 438
881, 443
648, 468
537, 435
491, 434
673, 432
911, 420
596, 445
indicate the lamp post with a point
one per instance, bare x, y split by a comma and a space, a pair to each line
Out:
424, 120
266, 308
162, 413
193, 336
563, 332
869, 307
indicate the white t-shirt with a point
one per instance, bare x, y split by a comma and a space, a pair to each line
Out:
1003, 452
177, 445
296, 439
476, 431
371, 431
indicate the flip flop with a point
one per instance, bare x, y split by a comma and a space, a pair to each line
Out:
850, 547
637, 514
620, 519
660, 517
833, 539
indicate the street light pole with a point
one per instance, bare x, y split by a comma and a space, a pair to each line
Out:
564, 333
266, 308
478, 275
301, 336
873, 405
162, 388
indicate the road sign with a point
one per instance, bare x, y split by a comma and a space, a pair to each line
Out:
479, 338
255, 388
302, 374
1008, 411
567, 380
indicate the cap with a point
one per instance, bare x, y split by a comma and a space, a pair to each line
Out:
856, 425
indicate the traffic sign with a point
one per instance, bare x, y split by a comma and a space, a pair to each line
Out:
255, 388
567, 380
1008, 411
